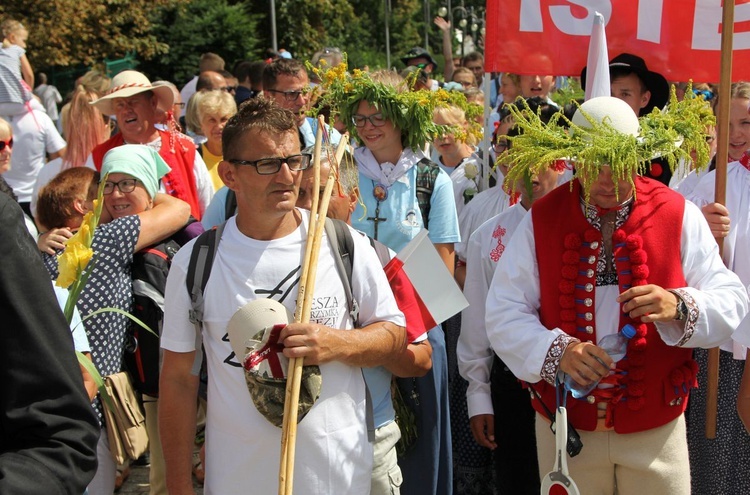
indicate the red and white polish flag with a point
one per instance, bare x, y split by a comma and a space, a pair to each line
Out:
424, 289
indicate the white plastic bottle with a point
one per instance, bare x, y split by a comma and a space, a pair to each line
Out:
616, 345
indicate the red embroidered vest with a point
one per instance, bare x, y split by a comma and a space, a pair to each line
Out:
652, 382
180, 181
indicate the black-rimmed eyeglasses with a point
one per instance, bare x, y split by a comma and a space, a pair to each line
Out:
376, 119
270, 166
125, 186
288, 95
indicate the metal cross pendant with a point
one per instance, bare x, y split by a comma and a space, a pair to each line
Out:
376, 220
414, 395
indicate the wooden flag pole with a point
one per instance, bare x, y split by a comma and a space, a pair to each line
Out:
720, 192
302, 314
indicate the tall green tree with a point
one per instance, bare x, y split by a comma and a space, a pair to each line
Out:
73, 32
198, 26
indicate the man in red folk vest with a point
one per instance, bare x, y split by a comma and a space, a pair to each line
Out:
134, 102
607, 250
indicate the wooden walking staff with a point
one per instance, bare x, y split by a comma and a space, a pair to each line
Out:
720, 192
302, 314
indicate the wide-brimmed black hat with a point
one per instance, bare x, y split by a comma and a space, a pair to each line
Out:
419, 52
655, 82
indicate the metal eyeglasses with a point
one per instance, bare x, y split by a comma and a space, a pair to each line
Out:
289, 96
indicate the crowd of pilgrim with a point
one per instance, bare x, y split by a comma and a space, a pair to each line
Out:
473, 384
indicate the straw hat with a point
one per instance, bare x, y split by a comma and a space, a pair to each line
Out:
128, 83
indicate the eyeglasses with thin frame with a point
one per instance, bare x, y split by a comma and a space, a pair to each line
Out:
289, 95
179, 104
376, 119
270, 166
8, 143
125, 186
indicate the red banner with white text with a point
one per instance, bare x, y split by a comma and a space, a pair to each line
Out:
681, 39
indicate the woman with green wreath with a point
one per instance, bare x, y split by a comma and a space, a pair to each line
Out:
393, 124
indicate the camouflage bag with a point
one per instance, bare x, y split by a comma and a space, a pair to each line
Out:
254, 335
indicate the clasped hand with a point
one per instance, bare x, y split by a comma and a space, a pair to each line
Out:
649, 303
306, 340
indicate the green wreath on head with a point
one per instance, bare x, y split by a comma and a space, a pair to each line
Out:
410, 111
672, 134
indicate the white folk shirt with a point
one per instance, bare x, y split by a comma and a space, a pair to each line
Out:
465, 181
522, 342
484, 206
242, 447
736, 253
474, 352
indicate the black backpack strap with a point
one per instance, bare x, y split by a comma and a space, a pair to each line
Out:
199, 270
230, 205
343, 248
427, 172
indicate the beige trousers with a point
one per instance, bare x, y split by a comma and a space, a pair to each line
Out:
653, 462
386, 475
157, 474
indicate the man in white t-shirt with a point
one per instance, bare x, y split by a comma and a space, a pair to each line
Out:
259, 256
34, 137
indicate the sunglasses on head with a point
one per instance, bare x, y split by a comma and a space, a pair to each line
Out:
8, 143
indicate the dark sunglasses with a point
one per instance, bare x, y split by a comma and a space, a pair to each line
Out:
8, 143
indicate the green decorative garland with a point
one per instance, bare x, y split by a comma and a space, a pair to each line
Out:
410, 111
671, 134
